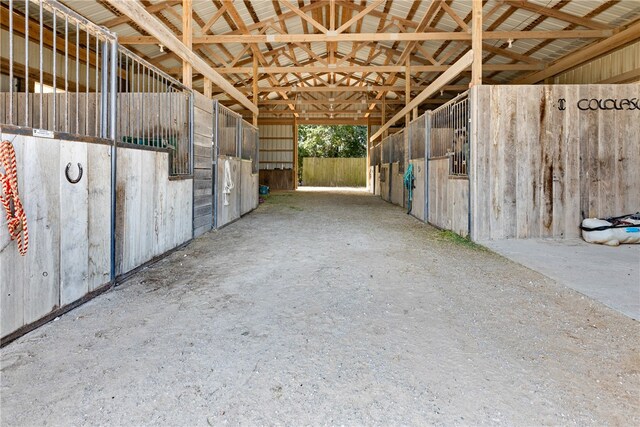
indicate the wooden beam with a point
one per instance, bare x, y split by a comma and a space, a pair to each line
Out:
359, 16
463, 25
584, 54
438, 83
376, 37
187, 35
628, 77
151, 9
317, 121
140, 16
254, 87
343, 89
557, 14
369, 69
407, 91
207, 88
476, 43
323, 101
304, 16
214, 18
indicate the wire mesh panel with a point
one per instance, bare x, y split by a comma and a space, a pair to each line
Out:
417, 133
397, 148
154, 110
53, 59
250, 145
228, 132
450, 133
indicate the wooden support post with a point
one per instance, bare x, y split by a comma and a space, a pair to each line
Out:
415, 113
407, 90
295, 153
187, 38
208, 88
255, 88
384, 113
476, 43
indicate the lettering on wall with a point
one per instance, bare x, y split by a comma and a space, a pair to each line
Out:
608, 104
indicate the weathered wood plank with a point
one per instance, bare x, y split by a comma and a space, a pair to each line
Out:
74, 222
99, 224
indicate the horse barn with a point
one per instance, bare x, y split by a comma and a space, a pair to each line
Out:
165, 259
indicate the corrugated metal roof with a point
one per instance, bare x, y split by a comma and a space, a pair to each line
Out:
615, 15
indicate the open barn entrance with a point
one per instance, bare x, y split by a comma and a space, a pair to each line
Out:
332, 155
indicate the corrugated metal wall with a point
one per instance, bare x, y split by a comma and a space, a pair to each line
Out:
276, 146
621, 66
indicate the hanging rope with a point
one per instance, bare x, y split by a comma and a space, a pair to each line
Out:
10, 198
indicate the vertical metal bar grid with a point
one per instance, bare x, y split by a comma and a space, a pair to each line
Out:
40, 124
11, 84
26, 63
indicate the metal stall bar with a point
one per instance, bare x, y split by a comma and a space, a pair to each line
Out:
161, 116
215, 152
113, 111
48, 28
427, 155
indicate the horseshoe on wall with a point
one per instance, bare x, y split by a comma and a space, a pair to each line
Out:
71, 180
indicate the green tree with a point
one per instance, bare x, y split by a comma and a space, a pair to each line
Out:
330, 141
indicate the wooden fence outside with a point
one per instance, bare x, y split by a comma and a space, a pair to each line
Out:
334, 172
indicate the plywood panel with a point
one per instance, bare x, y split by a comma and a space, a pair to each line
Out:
74, 222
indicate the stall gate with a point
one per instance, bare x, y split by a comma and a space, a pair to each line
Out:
437, 147
235, 176
103, 158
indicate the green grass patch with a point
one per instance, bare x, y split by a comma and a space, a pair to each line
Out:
450, 236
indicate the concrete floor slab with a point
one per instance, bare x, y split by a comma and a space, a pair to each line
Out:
328, 307
607, 274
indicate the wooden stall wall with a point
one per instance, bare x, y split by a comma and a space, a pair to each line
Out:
448, 198
417, 204
203, 164
334, 172
83, 120
229, 212
69, 229
277, 152
277, 179
153, 212
396, 195
376, 188
385, 182
249, 188
540, 164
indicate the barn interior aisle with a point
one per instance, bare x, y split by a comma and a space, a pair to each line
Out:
328, 307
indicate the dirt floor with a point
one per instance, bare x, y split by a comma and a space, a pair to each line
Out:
329, 308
